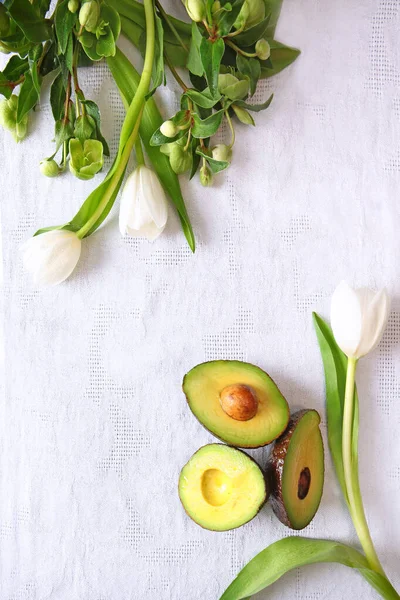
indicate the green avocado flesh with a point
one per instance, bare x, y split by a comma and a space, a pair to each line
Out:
296, 470
221, 487
203, 386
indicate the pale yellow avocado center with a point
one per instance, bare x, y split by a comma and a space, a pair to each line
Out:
216, 487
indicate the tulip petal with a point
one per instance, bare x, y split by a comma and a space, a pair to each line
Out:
155, 197
375, 308
346, 318
127, 202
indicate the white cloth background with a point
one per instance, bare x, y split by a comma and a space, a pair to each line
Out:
95, 428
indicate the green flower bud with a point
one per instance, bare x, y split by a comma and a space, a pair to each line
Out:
8, 118
85, 159
49, 168
73, 5
180, 159
195, 9
222, 152
206, 177
243, 115
169, 129
251, 13
263, 49
232, 87
216, 7
89, 15
4, 21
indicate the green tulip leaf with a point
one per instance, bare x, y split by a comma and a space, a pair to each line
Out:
211, 53
293, 552
204, 128
158, 65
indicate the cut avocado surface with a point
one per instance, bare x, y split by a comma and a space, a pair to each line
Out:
295, 470
237, 402
221, 487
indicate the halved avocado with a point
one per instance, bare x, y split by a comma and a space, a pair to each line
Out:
222, 488
237, 402
295, 470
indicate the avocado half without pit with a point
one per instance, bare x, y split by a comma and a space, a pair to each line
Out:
222, 488
237, 402
295, 470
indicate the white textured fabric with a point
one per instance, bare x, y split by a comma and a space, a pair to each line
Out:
95, 428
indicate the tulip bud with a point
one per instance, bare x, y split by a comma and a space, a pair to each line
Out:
206, 178
51, 256
89, 15
222, 152
73, 5
169, 129
49, 168
358, 318
144, 208
263, 49
195, 9
4, 21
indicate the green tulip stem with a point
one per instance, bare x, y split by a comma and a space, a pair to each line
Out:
228, 118
139, 152
130, 127
350, 467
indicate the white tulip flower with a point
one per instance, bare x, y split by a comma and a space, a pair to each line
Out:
51, 256
358, 318
144, 208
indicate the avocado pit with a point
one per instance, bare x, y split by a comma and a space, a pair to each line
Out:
239, 402
304, 483
216, 487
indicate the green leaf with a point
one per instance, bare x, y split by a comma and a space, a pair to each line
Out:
335, 366
272, 8
64, 131
228, 18
105, 45
216, 166
5, 88
293, 552
57, 97
211, 53
255, 107
207, 127
127, 79
50, 61
281, 57
253, 34
28, 97
202, 99
15, 67
251, 68
243, 115
93, 111
64, 22
158, 63
84, 127
35, 28
194, 63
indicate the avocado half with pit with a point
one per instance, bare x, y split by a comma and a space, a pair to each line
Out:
222, 488
237, 402
295, 470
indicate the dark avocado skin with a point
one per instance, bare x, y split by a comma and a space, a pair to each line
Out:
274, 468
248, 446
267, 492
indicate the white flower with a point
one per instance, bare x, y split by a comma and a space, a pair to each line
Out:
52, 256
358, 318
144, 208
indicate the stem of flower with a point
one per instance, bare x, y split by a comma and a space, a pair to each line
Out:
172, 27
130, 128
175, 74
239, 50
228, 118
350, 473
